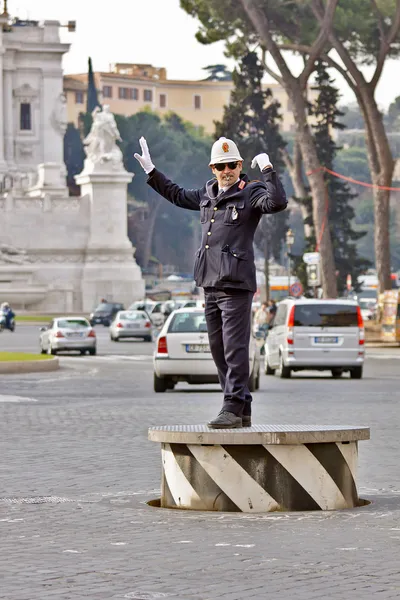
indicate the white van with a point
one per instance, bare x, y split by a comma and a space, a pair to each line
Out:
318, 335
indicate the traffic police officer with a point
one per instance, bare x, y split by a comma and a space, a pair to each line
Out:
230, 209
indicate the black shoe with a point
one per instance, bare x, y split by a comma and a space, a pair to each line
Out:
246, 420
225, 420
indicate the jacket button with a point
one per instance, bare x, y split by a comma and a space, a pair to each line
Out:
207, 247
212, 220
209, 233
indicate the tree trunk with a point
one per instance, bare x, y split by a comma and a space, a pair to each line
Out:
294, 167
381, 164
266, 258
154, 207
318, 191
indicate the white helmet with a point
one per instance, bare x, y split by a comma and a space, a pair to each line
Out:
224, 150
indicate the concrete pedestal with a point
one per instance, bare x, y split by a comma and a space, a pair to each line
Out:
262, 468
110, 270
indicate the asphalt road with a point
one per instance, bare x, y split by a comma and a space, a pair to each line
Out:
76, 471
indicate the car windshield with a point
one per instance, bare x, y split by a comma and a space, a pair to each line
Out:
325, 315
132, 316
104, 306
72, 323
188, 322
141, 306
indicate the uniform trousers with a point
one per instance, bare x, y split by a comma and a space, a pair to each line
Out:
228, 317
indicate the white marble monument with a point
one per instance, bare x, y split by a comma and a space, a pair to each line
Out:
59, 253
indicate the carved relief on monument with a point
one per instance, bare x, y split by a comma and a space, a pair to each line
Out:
58, 116
12, 255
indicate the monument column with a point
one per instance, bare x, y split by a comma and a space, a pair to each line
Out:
3, 21
9, 118
110, 270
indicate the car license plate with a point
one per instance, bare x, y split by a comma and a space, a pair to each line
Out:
75, 335
197, 348
326, 340
133, 325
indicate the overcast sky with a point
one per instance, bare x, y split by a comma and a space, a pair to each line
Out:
157, 32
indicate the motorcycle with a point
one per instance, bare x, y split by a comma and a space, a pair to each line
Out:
3, 323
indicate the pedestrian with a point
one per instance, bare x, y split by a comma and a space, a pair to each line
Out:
230, 208
272, 308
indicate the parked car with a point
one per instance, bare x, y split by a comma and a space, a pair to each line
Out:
68, 333
183, 353
104, 313
153, 309
131, 324
316, 334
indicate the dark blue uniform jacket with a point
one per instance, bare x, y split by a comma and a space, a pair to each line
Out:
229, 220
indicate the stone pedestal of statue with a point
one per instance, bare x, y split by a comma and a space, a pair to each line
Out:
110, 270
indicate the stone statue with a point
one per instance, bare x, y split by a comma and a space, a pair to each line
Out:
58, 117
11, 254
100, 144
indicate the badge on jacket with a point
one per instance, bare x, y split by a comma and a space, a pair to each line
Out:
235, 214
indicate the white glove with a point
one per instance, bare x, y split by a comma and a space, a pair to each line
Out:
144, 160
262, 160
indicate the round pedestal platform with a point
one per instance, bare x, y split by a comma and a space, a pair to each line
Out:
259, 469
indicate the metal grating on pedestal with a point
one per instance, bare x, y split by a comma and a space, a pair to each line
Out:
258, 434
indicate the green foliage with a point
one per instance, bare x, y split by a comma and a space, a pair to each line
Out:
392, 120
252, 120
341, 212
92, 98
217, 73
74, 156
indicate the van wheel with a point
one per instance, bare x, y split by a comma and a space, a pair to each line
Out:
160, 385
284, 371
268, 370
356, 373
336, 373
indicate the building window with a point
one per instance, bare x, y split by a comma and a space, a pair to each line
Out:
25, 117
79, 97
197, 102
163, 100
134, 93
123, 93
107, 91
148, 95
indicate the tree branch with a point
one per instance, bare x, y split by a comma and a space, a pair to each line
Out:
261, 25
302, 49
385, 42
268, 70
341, 50
318, 45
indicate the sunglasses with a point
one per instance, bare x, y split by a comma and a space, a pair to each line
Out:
230, 165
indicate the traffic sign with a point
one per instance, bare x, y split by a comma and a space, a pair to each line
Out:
296, 289
311, 258
314, 275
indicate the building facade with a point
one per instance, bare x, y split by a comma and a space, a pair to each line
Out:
32, 104
57, 253
130, 88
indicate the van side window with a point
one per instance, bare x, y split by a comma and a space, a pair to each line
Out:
280, 317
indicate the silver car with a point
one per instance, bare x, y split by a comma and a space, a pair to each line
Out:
131, 324
318, 335
68, 333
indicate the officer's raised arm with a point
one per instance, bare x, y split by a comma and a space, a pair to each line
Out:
268, 195
172, 192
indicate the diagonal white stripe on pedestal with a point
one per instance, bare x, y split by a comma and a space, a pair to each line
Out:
350, 455
310, 474
182, 492
233, 480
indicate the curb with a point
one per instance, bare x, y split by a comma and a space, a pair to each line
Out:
30, 366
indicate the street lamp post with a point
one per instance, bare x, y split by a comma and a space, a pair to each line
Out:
289, 244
